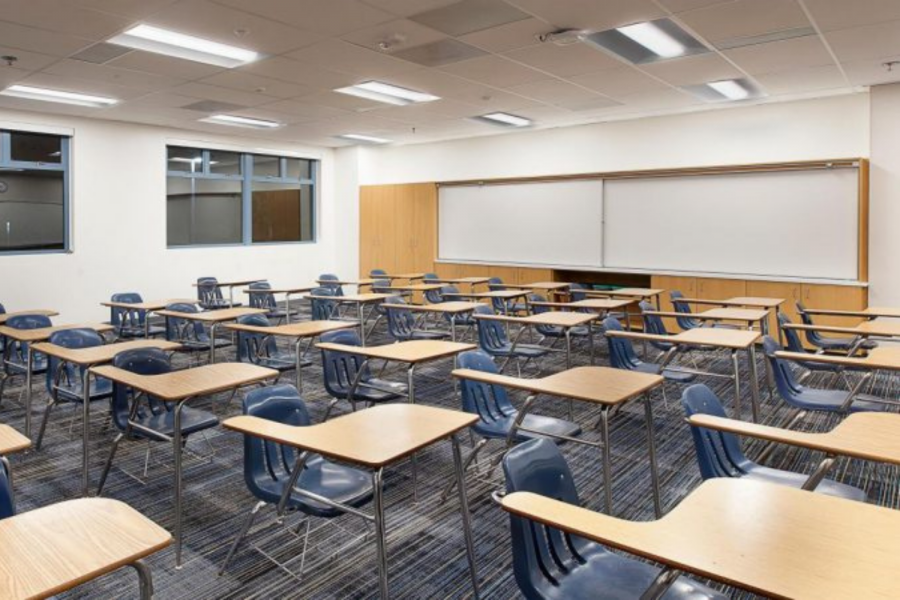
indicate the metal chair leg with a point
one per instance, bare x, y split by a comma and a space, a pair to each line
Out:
106, 467
472, 455
40, 438
241, 535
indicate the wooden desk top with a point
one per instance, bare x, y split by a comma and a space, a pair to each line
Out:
541, 285
283, 290
39, 335
736, 314
199, 381
55, 548
769, 539
407, 276
598, 304
411, 352
887, 359
602, 385
441, 307
868, 436
754, 301
297, 330
374, 437
213, 316
471, 280
37, 311
11, 441
870, 312
505, 294
865, 329
624, 292
233, 283
360, 298
417, 287
551, 319
363, 281
699, 336
100, 354
150, 305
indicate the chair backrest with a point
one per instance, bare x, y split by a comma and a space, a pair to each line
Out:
375, 273
718, 452
143, 361
684, 308
381, 286
124, 317
251, 345
430, 277
785, 381
323, 306
575, 292
69, 338
208, 291
401, 322
491, 334
621, 350
267, 462
495, 283
489, 402
2, 309
266, 301
178, 329
340, 369
542, 555
652, 323
17, 350
7, 500
812, 336
335, 287
542, 329
434, 296
790, 335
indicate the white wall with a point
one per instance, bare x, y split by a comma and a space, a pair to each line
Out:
884, 208
118, 201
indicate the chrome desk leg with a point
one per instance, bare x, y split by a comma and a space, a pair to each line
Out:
607, 459
380, 535
176, 446
411, 397
299, 364
29, 364
145, 579
651, 448
464, 509
85, 432
754, 382
737, 384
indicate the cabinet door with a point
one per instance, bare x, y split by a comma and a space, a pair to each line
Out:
686, 285
790, 292
720, 289
423, 245
840, 297
375, 203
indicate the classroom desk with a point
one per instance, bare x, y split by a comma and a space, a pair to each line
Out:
761, 302
750, 318
360, 300
214, 318
360, 438
451, 309
407, 276
178, 387
885, 330
52, 549
297, 331
231, 285
634, 293
867, 436
288, 292
564, 320
32, 337
92, 357
607, 387
730, 339
551, 288
359, 283
601, 306
146, 308
872, 312
11, 441
765, 538
471, 281
44, 312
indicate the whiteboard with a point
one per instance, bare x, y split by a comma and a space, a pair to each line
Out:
793, 224
552, 223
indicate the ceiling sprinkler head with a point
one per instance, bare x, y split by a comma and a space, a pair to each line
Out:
9, 59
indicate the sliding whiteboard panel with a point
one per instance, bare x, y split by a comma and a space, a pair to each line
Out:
791, 224
554, 223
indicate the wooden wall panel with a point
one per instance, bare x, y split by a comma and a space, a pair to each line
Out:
716, 289
774, 289
397, 227
837, 297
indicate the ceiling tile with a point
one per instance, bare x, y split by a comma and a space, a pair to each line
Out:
796, 53
338, 55
135, 9
597, 15
78, 84
802, 80
555, 92
469, 16
39, 40
868, 42
301, 110
508, 37
677, 6
298, 72
564, 61
212, 92
693, 69
29, 61
618, 82
841, 14
868, 72
63, 17
404, 8
393, 36
342, 101
745, 18
329, 17
248, 82
441, 52
658, 100
444, 108
495, 70
160, 64
77, 69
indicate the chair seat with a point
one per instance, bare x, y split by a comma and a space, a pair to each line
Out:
322, 477
99, 389
522, 350
281, 361
421, 334
367, 394
832, 400
138, 332
192, 421
499, 428
560, 332
607, 576
796, 480
201, 345
676, 376
219, 304
832, 343
38, 365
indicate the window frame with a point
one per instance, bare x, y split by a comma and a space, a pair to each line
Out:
247, 178
8, 164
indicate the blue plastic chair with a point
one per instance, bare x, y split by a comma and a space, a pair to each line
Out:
805, 398
402, 324
192, 335
7, 496
336, 288
15, 353
268, 465
65, 381
719, 453
622, 356
342, 370
492, 339
833, 344
261, 349
267, 302
323, 305
680, 306
793, 344
550, 564
131, 323
138, 416
501, 306
377, 274
430, 277
209, 294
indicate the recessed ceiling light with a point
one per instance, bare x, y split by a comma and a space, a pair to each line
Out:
358, 137
726, 90
730, 88
36, 93
188, 47
501, 118
238, 121
646, 42
385, 92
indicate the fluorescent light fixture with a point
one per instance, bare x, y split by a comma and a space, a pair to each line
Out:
238, 121
188, 47
387, 93
36, 93
730, 88
505, 119
358, 137
653, 39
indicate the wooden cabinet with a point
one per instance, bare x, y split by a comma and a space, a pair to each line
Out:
719, 289
774, 289
397, 227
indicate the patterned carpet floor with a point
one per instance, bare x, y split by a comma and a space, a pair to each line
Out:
426, 550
